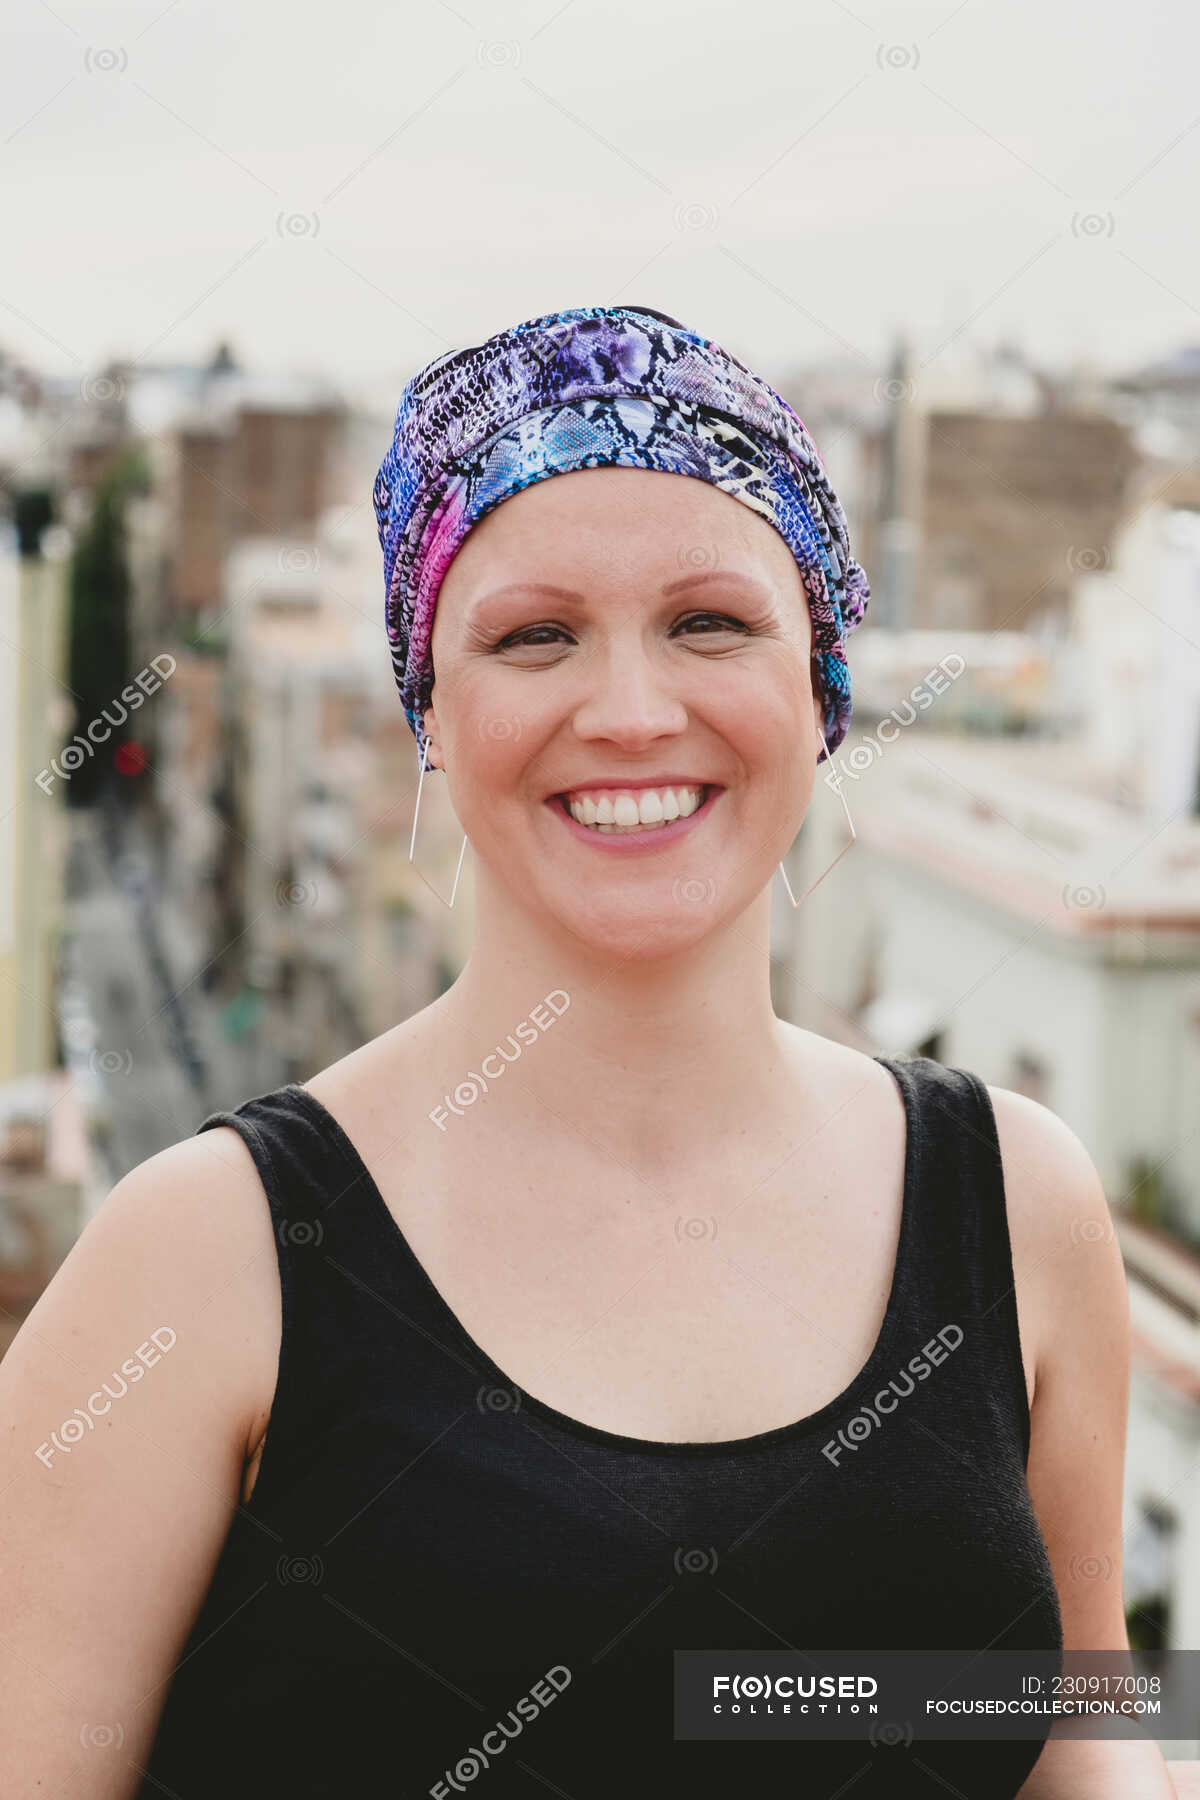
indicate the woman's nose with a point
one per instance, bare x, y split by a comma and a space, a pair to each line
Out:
629, 700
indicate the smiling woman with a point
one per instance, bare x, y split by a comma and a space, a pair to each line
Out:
704, 1335
709, 677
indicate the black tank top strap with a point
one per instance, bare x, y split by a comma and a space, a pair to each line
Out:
314, 1194
294, 1158
961, 1268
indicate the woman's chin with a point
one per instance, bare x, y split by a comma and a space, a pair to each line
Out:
640, 929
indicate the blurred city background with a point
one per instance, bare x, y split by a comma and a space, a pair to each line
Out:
981, 304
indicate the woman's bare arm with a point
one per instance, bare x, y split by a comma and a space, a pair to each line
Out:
1074, 1315
127, 1402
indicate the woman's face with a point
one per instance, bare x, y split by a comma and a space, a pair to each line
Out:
610, 637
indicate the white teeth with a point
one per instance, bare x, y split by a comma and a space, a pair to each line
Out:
646, 810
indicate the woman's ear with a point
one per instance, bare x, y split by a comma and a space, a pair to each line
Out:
433, 756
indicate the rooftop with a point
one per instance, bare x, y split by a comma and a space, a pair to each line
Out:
1031, 824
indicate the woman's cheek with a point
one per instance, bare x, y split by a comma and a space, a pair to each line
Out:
495, 706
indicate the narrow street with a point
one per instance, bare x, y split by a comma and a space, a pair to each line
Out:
153, 1051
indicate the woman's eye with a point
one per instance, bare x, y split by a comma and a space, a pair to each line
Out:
710, 622
549, 636
536, 636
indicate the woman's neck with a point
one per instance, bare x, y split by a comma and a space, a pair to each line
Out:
654, 1056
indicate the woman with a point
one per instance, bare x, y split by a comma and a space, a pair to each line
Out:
593, 1313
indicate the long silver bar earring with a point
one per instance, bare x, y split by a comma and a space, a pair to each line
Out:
853, 834
413, 840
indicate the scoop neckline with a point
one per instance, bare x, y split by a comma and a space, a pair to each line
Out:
663, 1447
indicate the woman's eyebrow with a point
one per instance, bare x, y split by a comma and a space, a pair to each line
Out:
551, 591
702, 577
545, 588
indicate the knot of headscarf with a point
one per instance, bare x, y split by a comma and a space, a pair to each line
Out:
581, 389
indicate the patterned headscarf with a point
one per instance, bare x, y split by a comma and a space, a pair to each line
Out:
593, 386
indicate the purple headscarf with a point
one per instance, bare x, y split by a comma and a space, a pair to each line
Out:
596, 386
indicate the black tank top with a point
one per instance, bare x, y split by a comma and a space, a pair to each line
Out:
428, 1548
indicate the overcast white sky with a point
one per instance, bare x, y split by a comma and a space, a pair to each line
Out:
358, 187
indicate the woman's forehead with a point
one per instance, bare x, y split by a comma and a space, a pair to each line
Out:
585, 549
672, 518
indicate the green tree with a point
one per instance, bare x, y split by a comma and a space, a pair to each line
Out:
98, 648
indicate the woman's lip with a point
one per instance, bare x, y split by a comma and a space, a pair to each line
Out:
625, 841
620, 786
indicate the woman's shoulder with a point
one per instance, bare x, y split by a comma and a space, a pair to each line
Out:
1055, 1195
185, 1207
179, 1256
371, 1090
1067, 1266
842, 1073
